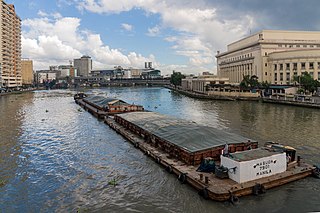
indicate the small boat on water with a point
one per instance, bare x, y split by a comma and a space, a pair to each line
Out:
79, 95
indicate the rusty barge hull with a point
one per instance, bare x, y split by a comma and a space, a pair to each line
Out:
100, 114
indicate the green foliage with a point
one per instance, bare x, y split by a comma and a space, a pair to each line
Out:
176, 78
300, 91
249, 82
265, 85
113, 182
307, 82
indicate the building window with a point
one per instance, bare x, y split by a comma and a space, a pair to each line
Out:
281, 66
281, 76
295, 74
290, 46
288, 76
318, 45
311, 45
279, 45
311, 66
287, 66
318, 65
265, 73
298, 45
295, 65
303, 65
275, 76
305, 46
265, 54
318, 76
265, 64
275, 67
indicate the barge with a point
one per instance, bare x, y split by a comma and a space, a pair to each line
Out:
180, 146
101, 106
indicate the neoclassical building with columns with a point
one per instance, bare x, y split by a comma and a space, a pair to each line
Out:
272, 55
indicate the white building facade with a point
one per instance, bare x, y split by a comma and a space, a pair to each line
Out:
273, 56
199, 84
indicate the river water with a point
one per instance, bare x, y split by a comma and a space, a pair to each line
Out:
55, 157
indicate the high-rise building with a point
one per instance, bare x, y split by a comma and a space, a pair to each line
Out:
10, 46
27, 71
83, 65
272, 55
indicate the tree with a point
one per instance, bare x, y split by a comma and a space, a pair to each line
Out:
249, 82
176, 78
265, 85
307, 82
254, 83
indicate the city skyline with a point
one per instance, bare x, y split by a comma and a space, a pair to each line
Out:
182, 36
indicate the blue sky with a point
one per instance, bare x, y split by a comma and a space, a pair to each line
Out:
181, 35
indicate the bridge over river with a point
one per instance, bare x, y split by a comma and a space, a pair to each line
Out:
122, 82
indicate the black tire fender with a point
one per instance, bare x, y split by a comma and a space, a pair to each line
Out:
234, 199
182, 178
204, 193
169, 169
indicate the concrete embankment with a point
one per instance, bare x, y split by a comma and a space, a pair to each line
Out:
16, 92
231, 97
292, 103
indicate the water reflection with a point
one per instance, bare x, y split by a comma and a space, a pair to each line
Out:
57, 158
11, 115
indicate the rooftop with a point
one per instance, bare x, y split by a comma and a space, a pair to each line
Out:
102, 101
253, 154
186, 134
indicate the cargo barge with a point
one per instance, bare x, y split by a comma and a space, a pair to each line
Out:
101, 106
240, 167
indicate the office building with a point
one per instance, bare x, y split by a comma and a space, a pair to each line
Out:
83, 65
272, 55
27, 71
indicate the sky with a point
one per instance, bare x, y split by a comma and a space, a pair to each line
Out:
180, 35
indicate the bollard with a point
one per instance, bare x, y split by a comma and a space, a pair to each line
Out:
201, 176
206, 179
298, 160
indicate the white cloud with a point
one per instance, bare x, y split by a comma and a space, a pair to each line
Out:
56, 40
154, 31
200, 31
42, 13
55, 15
127, 27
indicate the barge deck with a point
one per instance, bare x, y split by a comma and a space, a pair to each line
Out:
207, 184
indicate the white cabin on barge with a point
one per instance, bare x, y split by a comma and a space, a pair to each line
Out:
253, 164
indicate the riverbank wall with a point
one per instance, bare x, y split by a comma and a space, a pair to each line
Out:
291, 102
213, 95
16, 92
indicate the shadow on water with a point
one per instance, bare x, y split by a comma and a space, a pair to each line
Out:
57, 158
